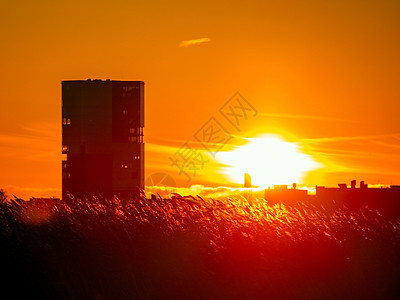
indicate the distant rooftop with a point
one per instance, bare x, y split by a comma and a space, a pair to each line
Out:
89, 79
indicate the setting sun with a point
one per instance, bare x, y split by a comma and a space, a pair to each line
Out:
269, 159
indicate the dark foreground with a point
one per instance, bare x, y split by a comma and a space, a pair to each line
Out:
188, 248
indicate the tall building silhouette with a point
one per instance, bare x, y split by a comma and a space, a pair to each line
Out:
247, 180
102, 137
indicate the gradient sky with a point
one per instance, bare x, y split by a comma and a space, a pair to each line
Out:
324, 74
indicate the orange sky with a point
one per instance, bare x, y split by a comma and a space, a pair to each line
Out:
321, 73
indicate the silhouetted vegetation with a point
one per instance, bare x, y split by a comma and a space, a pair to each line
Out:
192, 248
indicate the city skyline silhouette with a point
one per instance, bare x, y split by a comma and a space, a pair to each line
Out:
200, 149
326, 84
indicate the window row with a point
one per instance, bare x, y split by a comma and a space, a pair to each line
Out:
125, 165
135, 139
136, 130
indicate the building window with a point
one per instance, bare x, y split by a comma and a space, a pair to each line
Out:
135, 139
65, 149
128, 88
136, 135
66, 121
137, 157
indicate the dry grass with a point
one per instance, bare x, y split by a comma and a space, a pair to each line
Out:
188, 247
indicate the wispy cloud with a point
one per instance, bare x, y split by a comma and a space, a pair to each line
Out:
27, 192
36, 142
188, 43
203, 191
304, 117
368, 154
353, 138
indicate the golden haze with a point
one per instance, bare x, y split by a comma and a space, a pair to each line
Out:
323, 74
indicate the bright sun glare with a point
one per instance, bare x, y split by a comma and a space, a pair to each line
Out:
269, 159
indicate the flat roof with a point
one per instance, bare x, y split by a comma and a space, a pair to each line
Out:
101, 80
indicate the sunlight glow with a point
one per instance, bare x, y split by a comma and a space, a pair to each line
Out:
269, 159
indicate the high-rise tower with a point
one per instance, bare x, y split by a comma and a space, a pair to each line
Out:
102, 137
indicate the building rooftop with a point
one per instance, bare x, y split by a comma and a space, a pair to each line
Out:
106, 80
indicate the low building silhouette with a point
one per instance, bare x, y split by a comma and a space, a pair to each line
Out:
281, 194
386, 199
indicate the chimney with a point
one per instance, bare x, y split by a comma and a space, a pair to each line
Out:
363, 185
353, 184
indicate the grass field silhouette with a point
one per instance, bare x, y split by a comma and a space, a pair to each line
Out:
195, 248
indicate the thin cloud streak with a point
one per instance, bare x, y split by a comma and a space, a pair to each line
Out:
305, 117
369, 154
350, 138
27, 192
188, 43
204, 191
37, 142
